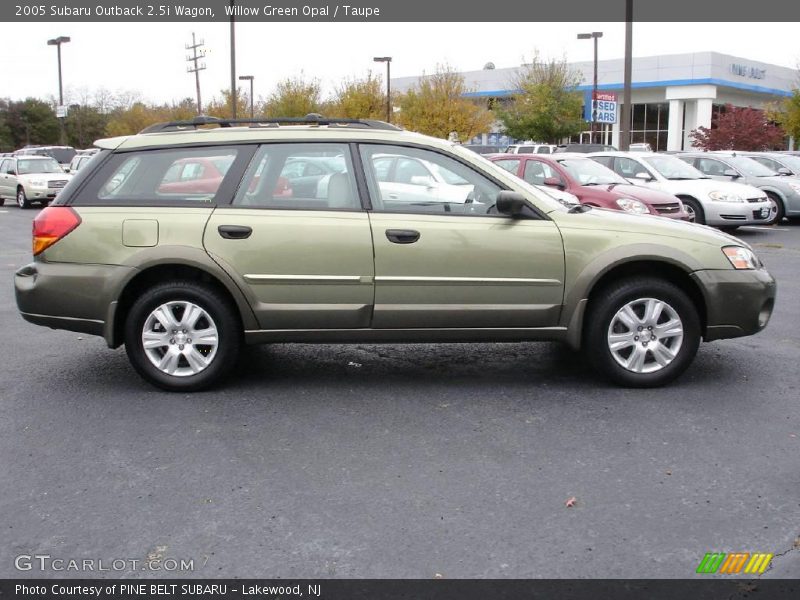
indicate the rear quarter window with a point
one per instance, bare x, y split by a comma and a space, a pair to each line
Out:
174, 176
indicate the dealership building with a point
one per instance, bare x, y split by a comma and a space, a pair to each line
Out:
671, 95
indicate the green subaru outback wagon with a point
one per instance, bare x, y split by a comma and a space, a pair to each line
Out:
192, 239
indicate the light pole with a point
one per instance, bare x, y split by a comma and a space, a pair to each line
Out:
60, 112
595, 35
233, 60
625, 117
388, 61
250, 79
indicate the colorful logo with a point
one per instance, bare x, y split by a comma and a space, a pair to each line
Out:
735, 562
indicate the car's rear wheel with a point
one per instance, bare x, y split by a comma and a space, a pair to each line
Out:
694, 210
641, 332
182, 336
22, 199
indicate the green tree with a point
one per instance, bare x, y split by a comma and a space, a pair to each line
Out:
787, 114
222, 106
436, 106
546, 106
294, 97
83, 125
359, 99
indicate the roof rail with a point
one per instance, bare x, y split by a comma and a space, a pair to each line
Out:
309, 119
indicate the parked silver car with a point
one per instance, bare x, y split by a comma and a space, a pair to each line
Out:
31, 179
783, 192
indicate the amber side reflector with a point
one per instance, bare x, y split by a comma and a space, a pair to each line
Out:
51, 225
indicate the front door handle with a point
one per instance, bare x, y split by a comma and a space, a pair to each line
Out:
235, 232
402, 236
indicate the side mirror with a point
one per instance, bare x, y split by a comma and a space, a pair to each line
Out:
12, 171
424, 180
553, 182
510, 203
65, 169
785, 171
643, 176
731, 173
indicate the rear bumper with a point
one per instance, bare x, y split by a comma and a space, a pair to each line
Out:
74, 297
738, 302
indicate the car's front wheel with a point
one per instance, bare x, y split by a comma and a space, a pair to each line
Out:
641, 332
182, 336
22, 199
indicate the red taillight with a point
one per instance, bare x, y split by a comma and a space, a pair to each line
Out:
52, 224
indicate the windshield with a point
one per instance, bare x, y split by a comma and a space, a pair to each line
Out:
31, 165
791, 162
588, 172
749, 167
673, 168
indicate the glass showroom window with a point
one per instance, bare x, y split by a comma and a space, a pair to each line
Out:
649, 123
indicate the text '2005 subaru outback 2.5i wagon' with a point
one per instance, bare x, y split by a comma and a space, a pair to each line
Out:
317, 230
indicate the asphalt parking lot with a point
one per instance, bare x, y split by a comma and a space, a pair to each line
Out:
400, 460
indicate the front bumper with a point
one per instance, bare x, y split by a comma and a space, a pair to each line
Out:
737, 213
35, 194
738, 302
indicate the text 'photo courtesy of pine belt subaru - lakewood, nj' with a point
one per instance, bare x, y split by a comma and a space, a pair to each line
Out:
315, 230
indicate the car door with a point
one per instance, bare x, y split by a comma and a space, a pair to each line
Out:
4, 178
711, 167
460, 265
304, 258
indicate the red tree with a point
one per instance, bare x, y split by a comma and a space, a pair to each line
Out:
739, 129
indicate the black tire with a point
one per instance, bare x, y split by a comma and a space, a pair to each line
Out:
22, 199
216, 305
694, 207
780, 211
45, 203
611, 299
2, 201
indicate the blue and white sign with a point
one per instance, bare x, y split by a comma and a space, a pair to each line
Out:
604, 107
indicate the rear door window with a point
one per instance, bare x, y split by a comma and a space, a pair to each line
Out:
300, 177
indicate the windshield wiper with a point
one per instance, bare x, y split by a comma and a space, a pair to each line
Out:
580, 208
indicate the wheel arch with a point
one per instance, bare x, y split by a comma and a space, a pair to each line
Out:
664, 268
161, 271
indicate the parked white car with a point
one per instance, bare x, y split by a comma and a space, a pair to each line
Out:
720, 203
411, 179
530, 148
30, 179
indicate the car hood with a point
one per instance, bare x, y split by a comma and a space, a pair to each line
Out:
647, 226
47, 176
642, 193
705, 186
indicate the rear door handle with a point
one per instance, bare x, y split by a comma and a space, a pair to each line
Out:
235, 232
402, 236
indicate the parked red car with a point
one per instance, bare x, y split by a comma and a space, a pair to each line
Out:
599, 187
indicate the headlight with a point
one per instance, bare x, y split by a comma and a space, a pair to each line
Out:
37, 183
632, 206
725, 197
741, 258
795, 187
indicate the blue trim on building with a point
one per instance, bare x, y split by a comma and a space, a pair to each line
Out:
651, 84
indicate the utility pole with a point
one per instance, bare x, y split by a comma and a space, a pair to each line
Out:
595, 35
198, 53
388, 61
625, 126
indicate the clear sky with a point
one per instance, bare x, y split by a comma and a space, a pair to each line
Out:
150, 58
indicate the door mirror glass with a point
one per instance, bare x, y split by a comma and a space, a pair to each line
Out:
643, 176
510, 203
730, 173
785, 171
